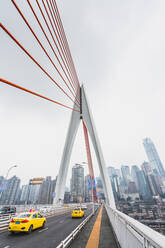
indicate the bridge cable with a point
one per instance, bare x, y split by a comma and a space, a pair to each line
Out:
60, 25
36, 62
47, 12
36, 94
60, 40
34, 13
25, 20
63, 32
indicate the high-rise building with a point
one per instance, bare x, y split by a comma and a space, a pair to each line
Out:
99, 186
132, 188
144, 188
33, 193
52, 190
155, 183
125, 170
11, 190
153, 157
44, 194
77, 183
114, 179
111, 171
134, 170
87, 193
24, 194
46, 191
146, 167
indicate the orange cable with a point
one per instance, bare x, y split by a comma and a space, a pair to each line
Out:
36, 94
60, 41
62, 28
25, 20
14, 39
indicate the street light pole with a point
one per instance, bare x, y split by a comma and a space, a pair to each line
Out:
13, 166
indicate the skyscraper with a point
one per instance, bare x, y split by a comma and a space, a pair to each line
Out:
125, 170
153, 156
11, 190
47, 190
144, 188
44, 193
33, 192
134, 170
87, 192
114, 179
24, 194
77, 183
146, 167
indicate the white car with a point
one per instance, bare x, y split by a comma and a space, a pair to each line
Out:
44, 209
84, 206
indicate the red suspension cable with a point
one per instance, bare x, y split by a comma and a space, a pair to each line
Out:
30, 56
51, 23
51, 36
60, 40
60, 25
36, 94
65, 39
25, 20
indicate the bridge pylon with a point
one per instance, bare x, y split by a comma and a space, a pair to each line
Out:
76, 117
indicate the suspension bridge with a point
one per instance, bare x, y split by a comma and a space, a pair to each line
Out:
109, 227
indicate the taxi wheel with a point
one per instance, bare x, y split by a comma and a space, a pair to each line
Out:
43, 226
11, 232
30, 229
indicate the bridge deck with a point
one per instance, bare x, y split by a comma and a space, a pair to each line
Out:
106, 236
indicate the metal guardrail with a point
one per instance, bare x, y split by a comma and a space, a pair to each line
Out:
74, 233
131, 233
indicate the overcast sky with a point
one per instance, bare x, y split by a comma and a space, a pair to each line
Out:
119, 52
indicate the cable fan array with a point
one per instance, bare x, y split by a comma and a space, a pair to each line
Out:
47, 18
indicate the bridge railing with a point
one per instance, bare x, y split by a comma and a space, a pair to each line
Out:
130, 233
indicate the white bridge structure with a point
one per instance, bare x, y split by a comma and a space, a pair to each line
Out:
49, 35
129, 233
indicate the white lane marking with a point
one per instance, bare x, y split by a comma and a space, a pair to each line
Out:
61, 221
6, 246
43, 230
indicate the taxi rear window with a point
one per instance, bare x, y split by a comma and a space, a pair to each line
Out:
24, 215
77, 209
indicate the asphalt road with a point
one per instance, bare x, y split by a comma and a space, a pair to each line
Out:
56, 230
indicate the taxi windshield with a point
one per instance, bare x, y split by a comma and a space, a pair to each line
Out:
77, 209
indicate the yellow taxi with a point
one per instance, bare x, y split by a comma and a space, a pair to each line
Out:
77, 212
26, 222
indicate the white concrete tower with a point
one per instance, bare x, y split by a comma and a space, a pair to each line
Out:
76, 117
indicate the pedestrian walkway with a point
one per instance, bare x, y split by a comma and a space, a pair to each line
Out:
94, 237
97, 233
107, 238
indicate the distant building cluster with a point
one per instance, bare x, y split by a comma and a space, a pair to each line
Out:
128, 182
81, 188
144, 183
38, 191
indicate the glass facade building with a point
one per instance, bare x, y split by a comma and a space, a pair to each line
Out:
153, 157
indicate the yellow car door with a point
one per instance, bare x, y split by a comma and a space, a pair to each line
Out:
34, 221
40, 220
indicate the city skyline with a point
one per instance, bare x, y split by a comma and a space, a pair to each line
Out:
128, 182
120, 74
24, 181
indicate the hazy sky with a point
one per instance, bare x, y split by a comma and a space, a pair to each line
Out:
119, 52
